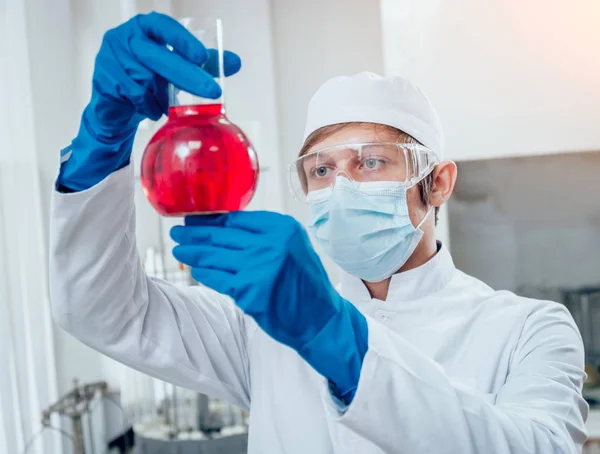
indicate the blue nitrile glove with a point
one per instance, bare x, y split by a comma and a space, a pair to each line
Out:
131, 76
265, 262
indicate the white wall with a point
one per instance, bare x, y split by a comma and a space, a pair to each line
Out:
546, 210
55, 46
509, 78
315, 40
56, 108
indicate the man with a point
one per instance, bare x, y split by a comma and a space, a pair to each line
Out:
409, 356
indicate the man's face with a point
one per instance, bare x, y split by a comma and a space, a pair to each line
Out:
320, 172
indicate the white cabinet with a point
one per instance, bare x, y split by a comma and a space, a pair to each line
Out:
509, 78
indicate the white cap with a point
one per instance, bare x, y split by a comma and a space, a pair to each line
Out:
368, 97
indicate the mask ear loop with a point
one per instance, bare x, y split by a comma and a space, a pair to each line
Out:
418, 227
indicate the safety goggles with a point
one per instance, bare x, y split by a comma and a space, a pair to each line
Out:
403, 163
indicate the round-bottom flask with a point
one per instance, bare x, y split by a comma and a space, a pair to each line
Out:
199, 163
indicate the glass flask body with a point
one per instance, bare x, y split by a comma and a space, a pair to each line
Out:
199, 163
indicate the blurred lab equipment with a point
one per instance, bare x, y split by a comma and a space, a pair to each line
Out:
188, 422
179, 419
199, 162
75, 405
584, 305
183, 420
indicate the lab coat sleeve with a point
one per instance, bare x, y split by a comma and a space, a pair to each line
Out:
405, 402
193, 337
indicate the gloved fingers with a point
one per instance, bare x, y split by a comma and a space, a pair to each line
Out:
261, 222
165, 30
231, 63
265, 222
205, 219
213, 257
173, 67
223, 237
148, 92
218, 280
252, 221
112, 77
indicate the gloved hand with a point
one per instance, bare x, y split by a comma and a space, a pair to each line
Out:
131, 76
264, 261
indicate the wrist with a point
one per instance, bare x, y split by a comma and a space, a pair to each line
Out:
355, 324
338, 351
94, 154
112, 134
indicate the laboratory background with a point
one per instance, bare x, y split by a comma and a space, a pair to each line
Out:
516, 84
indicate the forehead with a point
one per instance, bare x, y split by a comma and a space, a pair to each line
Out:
358, 133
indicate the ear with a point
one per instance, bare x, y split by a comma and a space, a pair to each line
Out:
444, 178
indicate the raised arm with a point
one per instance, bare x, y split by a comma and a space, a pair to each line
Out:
193, 337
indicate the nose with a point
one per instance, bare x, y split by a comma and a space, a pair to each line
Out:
344, 173
347, 179
344, 165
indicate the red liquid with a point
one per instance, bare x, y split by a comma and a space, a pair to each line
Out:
199, 163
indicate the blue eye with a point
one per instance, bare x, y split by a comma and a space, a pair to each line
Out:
321, 172
373, 164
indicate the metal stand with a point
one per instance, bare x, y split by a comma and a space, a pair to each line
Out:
78, 441
74, 405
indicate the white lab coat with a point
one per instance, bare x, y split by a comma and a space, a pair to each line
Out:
452, 366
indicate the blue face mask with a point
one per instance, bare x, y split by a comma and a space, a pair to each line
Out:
364, 227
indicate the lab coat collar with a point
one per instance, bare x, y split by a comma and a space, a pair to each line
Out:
410, 285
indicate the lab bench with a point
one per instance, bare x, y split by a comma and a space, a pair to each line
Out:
593, 428
234, 444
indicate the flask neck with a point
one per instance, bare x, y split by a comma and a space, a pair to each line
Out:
206, 110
